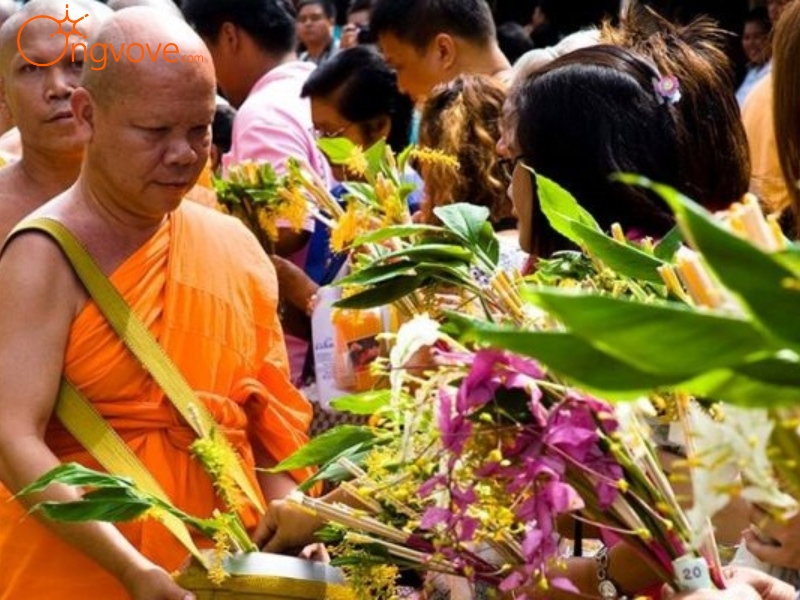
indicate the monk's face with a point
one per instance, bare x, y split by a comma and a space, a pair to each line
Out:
150, 141
37, 97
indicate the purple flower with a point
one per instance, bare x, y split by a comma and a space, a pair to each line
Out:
466, 529
493, 369
668, 89
463, 498
453, 426
436, 516
426, 489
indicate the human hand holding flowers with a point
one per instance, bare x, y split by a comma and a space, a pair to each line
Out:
742, 584
285, 526
773, 542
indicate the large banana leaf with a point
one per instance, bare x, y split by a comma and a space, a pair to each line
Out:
573, 222
762, 282
662, 338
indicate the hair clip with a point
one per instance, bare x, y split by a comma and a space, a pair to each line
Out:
668, 89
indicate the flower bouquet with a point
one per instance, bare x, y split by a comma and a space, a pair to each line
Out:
261, 199
470, 468
474, 457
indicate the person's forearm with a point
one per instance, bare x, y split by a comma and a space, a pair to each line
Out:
273, 485
294, 285
26, 459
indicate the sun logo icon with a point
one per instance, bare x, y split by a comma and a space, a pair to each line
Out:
60, 30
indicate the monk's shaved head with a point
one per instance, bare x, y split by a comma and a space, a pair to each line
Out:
152, 29
7, 8
54, 8
167, 5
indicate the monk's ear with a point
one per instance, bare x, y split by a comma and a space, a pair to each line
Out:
83, 107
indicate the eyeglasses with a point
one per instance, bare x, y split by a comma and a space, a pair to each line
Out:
320, 134
509, 165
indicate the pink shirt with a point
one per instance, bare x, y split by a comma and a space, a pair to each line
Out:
273, 124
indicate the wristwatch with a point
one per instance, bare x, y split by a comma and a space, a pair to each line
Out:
607, 589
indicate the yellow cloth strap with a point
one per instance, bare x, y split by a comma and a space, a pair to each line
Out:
140, 342
94, 433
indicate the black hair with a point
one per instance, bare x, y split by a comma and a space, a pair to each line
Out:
590, 114
513, 40
327, 7
569, 17
759, 15
222, 127
363, 88
417, 22
359, 5
271, 23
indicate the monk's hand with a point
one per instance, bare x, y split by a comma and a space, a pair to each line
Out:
285, 527
153, 583
777, 544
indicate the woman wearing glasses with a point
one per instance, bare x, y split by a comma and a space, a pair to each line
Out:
354, 95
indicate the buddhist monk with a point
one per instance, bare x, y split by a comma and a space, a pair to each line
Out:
201, 284
37, 99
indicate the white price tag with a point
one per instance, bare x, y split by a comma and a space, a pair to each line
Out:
692, 573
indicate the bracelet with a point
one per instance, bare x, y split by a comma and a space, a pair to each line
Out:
607, 589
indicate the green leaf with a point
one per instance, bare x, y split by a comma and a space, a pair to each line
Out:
457, 272
789, 258
338, 150
395, 231
334, 472
781, 370
403, 157
578, 361
757, 278
366, 403
375, 155
325, 447
470, 223
561, 209
431, 252
624, 259
112, 506
464, 220
376, 273
736, 388
363, 192
767, 383
76, 475
660, 338
665, 250
385, 293
489, 244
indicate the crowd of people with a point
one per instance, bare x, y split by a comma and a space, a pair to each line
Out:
122, 155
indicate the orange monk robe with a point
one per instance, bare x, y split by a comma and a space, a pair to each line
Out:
205, 288
203, 191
